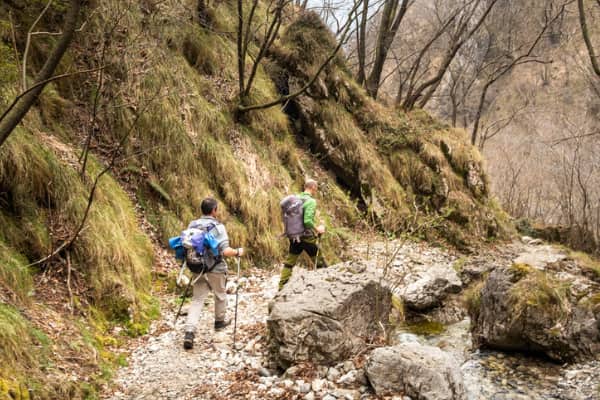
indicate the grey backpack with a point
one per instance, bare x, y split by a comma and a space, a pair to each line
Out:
293, 217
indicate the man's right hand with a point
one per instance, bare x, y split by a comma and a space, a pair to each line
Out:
231, 252
320, 229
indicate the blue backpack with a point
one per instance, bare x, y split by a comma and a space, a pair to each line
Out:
198, 248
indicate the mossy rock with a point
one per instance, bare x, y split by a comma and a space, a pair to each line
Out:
459, 264
426, 328
593, 302
460, 208
432, 156
456, 236
538, 289
520, 271
588, 263
472, 297
200, 54
307, 34
526, 309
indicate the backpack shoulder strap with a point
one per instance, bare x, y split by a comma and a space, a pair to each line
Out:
219, 257
210, 227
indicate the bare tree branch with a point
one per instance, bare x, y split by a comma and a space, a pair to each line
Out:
14, 42
423, 92
240, 46
361, 43
504, 69
574, 137
242, 108
28, 42
107, 36
391, 18
21, 106
270, 36
90, 200
414, 69
43, 83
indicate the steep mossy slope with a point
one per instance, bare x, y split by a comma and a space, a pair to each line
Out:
163, 107
398, 166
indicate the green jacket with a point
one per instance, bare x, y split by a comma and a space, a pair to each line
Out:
308, 208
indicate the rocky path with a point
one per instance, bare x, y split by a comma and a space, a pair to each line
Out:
159, 367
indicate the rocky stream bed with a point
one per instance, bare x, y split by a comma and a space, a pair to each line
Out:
159, 368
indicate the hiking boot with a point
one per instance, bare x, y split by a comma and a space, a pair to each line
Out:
185, 310
188, 340
219, 325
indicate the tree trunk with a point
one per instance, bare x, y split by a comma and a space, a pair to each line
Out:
202, 13
400, 91
586, 37
241, 54
243, 109
387, 32
22, 106
475, 131
362, 45
454, 104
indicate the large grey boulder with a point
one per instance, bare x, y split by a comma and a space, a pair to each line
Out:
551, 310
325, 316
427, 287
421, 372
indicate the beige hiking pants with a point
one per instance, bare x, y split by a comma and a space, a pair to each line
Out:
211, 281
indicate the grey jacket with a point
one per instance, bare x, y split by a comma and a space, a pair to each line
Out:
220, 233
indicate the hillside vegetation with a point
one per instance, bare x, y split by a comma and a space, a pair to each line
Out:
162, 108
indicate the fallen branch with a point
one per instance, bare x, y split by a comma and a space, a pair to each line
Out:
71, 305
49, 256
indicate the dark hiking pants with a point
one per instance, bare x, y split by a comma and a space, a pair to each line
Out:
310, 246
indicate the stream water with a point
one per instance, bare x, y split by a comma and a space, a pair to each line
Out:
492, 375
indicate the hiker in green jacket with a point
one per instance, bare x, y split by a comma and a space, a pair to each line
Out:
309, 240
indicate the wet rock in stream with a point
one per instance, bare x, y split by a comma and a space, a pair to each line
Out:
528, 309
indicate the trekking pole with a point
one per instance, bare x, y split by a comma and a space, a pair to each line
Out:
237, 290
318, 248
187, 288
185, 292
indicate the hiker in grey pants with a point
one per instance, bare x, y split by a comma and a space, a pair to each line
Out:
215, 279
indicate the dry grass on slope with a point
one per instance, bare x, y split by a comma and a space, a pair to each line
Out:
394, 163
187, 145
43, 201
